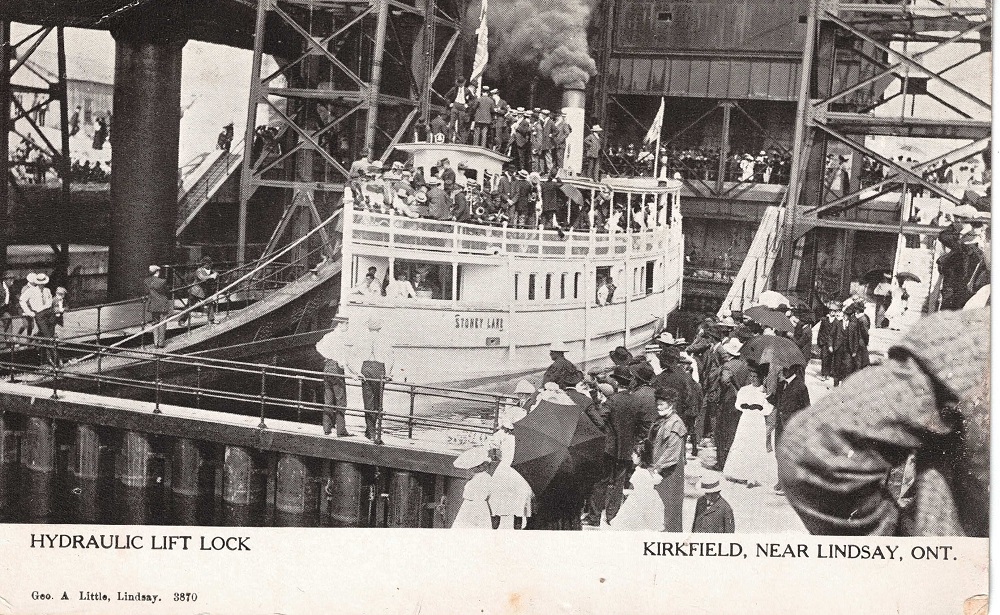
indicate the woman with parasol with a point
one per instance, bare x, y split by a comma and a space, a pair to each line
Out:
510, 495
475, 509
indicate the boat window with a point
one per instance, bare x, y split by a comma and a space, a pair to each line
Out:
605, 286
531, 287
548, 285
649, 276
576, 284
517, 281
429, 280
562, 286
636, 281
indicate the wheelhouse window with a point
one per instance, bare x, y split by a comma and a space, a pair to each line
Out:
605, 286
531, 287
429, 280
562, 286
548, 285
576, 284
650, 271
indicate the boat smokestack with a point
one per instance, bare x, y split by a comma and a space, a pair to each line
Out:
574, 99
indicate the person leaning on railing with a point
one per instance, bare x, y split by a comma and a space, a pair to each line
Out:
36, 303
160, 303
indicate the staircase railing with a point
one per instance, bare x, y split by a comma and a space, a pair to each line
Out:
190, 202
754, 275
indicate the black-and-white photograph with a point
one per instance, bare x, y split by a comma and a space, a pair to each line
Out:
680, 266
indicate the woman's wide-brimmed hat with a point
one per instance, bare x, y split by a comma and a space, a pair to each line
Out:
472, 458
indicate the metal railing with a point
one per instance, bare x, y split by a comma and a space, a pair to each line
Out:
276, 391
205, 186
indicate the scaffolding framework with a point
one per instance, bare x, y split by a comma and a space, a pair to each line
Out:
365, 72
28, 90
894, 40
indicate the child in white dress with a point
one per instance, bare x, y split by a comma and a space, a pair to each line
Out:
475, 509
642, 509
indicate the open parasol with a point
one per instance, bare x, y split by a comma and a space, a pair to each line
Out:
769, 318
556, 439
904, 276
572, 193
774, 350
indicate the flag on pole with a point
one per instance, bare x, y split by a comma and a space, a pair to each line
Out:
482, 49
654, 130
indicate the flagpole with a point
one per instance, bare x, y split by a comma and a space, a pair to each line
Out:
656, 152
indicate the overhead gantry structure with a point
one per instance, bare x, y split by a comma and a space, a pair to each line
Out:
895, 39
364, 73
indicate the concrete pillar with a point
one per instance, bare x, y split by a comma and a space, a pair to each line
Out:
134, 479
244, 484
39, 460
406, 500
10, 454
191, 482
91, 475
296, 492
144, 138
347, 494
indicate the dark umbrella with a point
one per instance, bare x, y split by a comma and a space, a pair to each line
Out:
903, 276
774, 350
572, 193
768, 318
555, 439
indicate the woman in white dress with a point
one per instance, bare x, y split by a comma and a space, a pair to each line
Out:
510, 495
750, 459
642, 509
475, 509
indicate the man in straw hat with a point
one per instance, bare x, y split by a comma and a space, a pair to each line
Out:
592, 145
712, 513
373, 359
561, 368
36, 303
333, 348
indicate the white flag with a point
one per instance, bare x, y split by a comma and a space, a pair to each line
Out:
482, 47
654, 130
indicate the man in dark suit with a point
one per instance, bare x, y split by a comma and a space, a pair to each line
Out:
846, 343
548, 142
824, 339
160, 304
560, 133
501, 129
483, 118
521, 209
626, 424
522, 142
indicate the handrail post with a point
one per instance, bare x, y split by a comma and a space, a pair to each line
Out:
100, 358
413, 404
298, 403
12, 344
263, 395
142, 326
55, 368
197, 392
156, 407
98, 325
496, 415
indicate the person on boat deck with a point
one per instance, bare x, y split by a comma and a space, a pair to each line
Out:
36, 303
592, 146
561, 368
369, 287
360, 166
400, 288
560, 133
603, 292
461, 179
553, 201
501, 131
548, 128
438, 201
465, 202
520, 202
537, 142
439, 128
401, 203
446, 173
205, 286
483, 118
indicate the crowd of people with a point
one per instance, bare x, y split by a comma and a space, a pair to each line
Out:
513, 197
701, 163
535, 139
32, 308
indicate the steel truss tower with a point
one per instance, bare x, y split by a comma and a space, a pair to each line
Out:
895, 39
366, 71
29, 89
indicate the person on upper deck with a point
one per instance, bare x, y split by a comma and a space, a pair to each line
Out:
400, 288
438, 201
483, 118
592, 146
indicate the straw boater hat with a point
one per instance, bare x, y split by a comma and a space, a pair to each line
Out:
421, 197
523, 386
733, 346
558, 347
154, 268
433, 180
710, 483
597, 128
38, 278
666, 338
522, 174
472, 458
